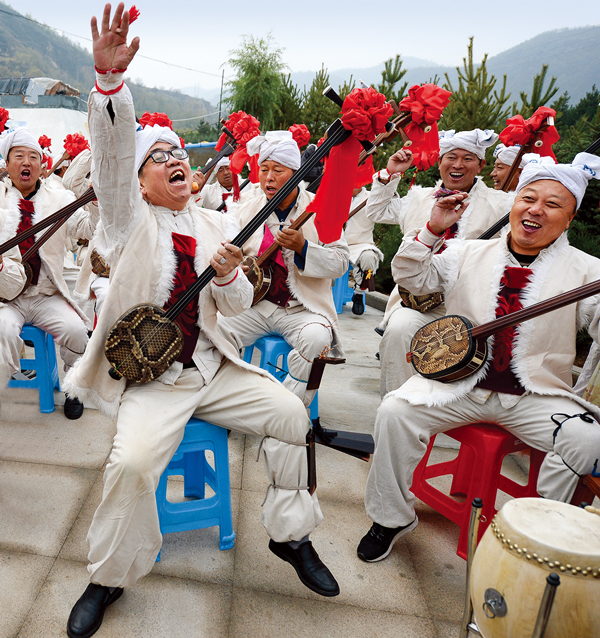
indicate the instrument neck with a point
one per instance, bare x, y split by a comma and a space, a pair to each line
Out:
336, 134
88, 196
487, 329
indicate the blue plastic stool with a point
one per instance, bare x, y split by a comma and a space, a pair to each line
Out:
190, 461
272, 348
45, 366
342, 293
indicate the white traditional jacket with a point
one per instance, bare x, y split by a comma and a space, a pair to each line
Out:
12, 273
137, 240
485, 206
311, 286
48, 199
469, 273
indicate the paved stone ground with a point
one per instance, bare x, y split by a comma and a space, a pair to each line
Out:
51, 481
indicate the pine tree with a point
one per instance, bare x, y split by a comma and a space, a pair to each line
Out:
290, 105
539, 96
258, 85
318, 111
390, 77
475, 103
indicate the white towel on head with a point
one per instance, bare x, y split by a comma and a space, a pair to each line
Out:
574, 176
19, 137
278, 146
147, 137
475, 141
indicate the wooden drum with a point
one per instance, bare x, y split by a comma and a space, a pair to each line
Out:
527, 539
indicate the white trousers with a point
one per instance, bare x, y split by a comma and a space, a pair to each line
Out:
395, 344
403, 431
308, 334
100, 289
124, 536
52, 314
367, 260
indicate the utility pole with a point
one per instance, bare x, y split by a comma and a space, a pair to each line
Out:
221, 97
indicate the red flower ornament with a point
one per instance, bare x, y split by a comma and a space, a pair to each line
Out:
150, 119
75, 143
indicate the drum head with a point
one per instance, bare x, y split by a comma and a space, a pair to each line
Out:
555, 532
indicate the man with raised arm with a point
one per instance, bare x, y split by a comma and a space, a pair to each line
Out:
462, 157
525, 383
161, 242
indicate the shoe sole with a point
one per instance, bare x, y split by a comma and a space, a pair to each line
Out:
111, 599
400, 534
310, 586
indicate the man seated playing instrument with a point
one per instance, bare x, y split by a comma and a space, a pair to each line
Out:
505, 156
46, 303
299, 303
365, 257
161, 242
525, 384
462, 157
221, 190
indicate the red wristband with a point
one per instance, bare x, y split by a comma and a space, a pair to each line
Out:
110, 71
433, 231
2, 266
230, 281
109, 92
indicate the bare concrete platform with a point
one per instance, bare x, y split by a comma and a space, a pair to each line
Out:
50, 485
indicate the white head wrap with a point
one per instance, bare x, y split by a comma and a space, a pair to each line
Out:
147, 137
278, 146
224, 161
573, 176
18, 137
475, 141
508, 154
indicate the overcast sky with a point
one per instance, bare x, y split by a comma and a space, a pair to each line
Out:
199, 35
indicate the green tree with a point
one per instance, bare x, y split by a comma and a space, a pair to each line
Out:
204, 132
586, 107
475, 103
291, 100
391, 75
584, 232
318, 111
539, 95
257, 86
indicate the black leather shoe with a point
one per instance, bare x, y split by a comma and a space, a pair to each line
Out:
309, 567
73, 407
358, 303
87, 613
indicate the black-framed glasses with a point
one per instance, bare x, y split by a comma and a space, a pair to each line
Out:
160, 157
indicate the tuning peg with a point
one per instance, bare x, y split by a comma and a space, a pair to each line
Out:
394, 106
331, 93
228, 132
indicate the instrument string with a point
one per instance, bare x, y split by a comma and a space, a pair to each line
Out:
336, 136
525, 314
65, 212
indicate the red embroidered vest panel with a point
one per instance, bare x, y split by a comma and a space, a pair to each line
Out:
26, 209
500, 376
278, 292
184, 248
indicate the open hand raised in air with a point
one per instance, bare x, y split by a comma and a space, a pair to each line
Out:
110, 47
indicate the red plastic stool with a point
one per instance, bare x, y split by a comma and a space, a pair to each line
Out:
476, 472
